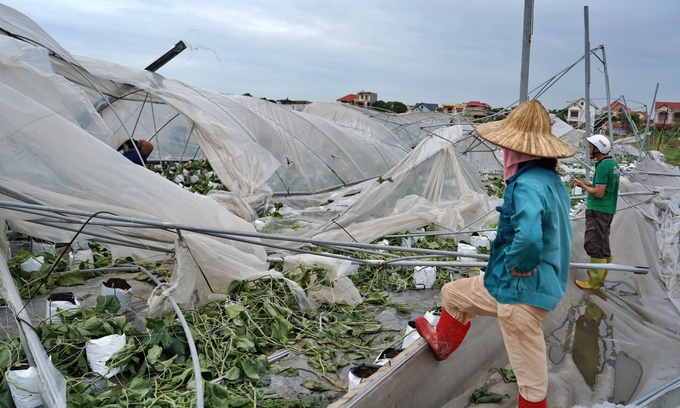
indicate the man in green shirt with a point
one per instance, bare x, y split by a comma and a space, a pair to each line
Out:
600, 208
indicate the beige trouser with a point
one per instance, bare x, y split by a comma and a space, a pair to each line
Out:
521, 327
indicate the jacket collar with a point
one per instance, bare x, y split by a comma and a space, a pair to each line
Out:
523, 168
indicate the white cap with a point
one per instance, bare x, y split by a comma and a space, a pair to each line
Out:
602, 142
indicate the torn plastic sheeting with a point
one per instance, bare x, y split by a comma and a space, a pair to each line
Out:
342, 290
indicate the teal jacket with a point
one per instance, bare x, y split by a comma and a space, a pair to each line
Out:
533, 233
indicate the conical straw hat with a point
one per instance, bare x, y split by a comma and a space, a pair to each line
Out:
526, 130
120, 143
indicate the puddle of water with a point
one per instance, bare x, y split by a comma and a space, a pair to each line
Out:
628, 374
588, 349
586, 333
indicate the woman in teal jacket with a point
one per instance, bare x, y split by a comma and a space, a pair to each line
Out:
528, 268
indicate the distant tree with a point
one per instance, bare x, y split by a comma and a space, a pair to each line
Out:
494, 111
560, 113
247, 94
396, 107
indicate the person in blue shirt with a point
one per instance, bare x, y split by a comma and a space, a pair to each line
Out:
528, 268
137, 155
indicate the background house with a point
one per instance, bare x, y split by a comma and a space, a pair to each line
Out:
576, 111
425, 107
666, 115
453, 108
476, 109
617, 128
471, 110
362, 98
620, 123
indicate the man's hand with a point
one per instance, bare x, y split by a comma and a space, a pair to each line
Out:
581, 183
514, 272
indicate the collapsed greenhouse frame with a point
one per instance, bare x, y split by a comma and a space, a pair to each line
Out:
164, 242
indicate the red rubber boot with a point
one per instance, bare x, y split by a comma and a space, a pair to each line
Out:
446, 337
527, 404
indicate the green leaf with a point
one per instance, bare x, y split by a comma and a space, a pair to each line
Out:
244, 343
234, 310
70, 278
5, 395
284, 371
159, 332
507, 375
233, 374
107, 304
483, 395
315, 386
249, 371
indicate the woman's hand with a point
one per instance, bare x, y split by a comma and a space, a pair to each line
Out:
514, 272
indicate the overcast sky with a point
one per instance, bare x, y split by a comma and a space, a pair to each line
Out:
431, 51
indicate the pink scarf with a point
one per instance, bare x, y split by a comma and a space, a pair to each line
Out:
512, 160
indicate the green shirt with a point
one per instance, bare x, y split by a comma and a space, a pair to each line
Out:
606, 172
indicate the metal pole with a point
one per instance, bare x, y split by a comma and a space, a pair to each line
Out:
586, 108
650, 115
50, 383
526, 48
606, 85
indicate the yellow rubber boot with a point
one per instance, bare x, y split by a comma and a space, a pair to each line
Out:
596, 276
610, 258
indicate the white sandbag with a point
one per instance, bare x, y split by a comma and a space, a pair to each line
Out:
80, 256
119, 288
99, 351
40, 247
424, 276
22, 386
480, 241
59, 301
358, 373
490, 234
32, 264
467, 249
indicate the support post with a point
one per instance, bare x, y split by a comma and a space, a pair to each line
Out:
586, 108
526, 48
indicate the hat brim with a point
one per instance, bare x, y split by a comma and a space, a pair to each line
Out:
120, 143
533, 143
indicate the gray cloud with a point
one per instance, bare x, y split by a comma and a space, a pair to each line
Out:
429, 51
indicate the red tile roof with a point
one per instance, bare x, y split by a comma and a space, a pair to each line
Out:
348, 98
617, 105
478, 103
671, 105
